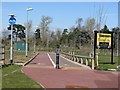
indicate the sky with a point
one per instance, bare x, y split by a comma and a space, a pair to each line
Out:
64, 14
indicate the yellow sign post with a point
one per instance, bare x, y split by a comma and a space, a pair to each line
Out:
104, 40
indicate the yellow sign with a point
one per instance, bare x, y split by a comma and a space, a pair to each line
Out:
104, 38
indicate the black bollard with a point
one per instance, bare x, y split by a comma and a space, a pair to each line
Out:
57, 59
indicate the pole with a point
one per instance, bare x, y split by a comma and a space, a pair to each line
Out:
57, 61
117, 43
94, 46
27, 36
34, 43
112, 62
11, 48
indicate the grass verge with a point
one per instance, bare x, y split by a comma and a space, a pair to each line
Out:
14, 78
18, 56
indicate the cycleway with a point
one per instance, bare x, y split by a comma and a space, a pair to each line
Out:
71, 75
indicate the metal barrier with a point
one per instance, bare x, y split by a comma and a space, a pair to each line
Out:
3, 54
80, 59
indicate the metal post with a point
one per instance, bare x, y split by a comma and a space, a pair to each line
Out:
57, 61
117, 43
112, 62
11, 48
34, 43
94, 46
27, 36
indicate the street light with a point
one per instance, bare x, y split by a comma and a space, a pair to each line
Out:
28, 9
12, 21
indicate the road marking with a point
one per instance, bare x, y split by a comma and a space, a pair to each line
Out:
34, 66
51, 60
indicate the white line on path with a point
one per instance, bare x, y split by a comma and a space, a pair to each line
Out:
51, 60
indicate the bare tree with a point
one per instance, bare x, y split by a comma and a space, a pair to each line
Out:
79, 21
90, 25
4, 37
58, 34
45, 21
28, 26
101, 18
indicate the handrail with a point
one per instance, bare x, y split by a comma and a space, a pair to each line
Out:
76, 58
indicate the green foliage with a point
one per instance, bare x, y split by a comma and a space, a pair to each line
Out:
105, 29
76, 38
18, 31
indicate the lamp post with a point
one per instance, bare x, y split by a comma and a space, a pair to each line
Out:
28, 9
12, 21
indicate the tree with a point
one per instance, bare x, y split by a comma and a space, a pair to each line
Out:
116, 38
79, 20
90, 25
63, 39
105, 29
5, 39
45, 21
37, 37
101, 18
18, 31
28, 26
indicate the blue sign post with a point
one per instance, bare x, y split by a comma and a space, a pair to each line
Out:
12, 21
57, 59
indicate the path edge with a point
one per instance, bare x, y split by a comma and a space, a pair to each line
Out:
30, 60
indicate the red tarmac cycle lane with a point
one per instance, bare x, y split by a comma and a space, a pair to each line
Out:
41, 70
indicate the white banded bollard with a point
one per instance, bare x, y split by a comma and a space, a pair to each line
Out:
57, 59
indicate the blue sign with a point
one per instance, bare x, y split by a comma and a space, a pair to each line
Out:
12, 20
57, 52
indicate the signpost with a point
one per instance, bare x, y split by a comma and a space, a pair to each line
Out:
12, 21
103, 40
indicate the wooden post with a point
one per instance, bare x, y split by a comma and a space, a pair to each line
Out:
97, 58
92, 64
78, 59
86, 62
81, 61
4, 54
74, 58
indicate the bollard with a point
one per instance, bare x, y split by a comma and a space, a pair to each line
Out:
57, 59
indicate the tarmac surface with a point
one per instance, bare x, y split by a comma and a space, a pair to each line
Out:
71, 75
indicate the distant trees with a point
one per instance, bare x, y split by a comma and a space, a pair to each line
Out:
5, 34
75, 37
116, 38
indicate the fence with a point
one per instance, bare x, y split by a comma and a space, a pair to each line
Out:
2, 54
80, 59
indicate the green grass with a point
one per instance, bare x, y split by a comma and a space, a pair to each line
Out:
17, 79
104, 61
18, 56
